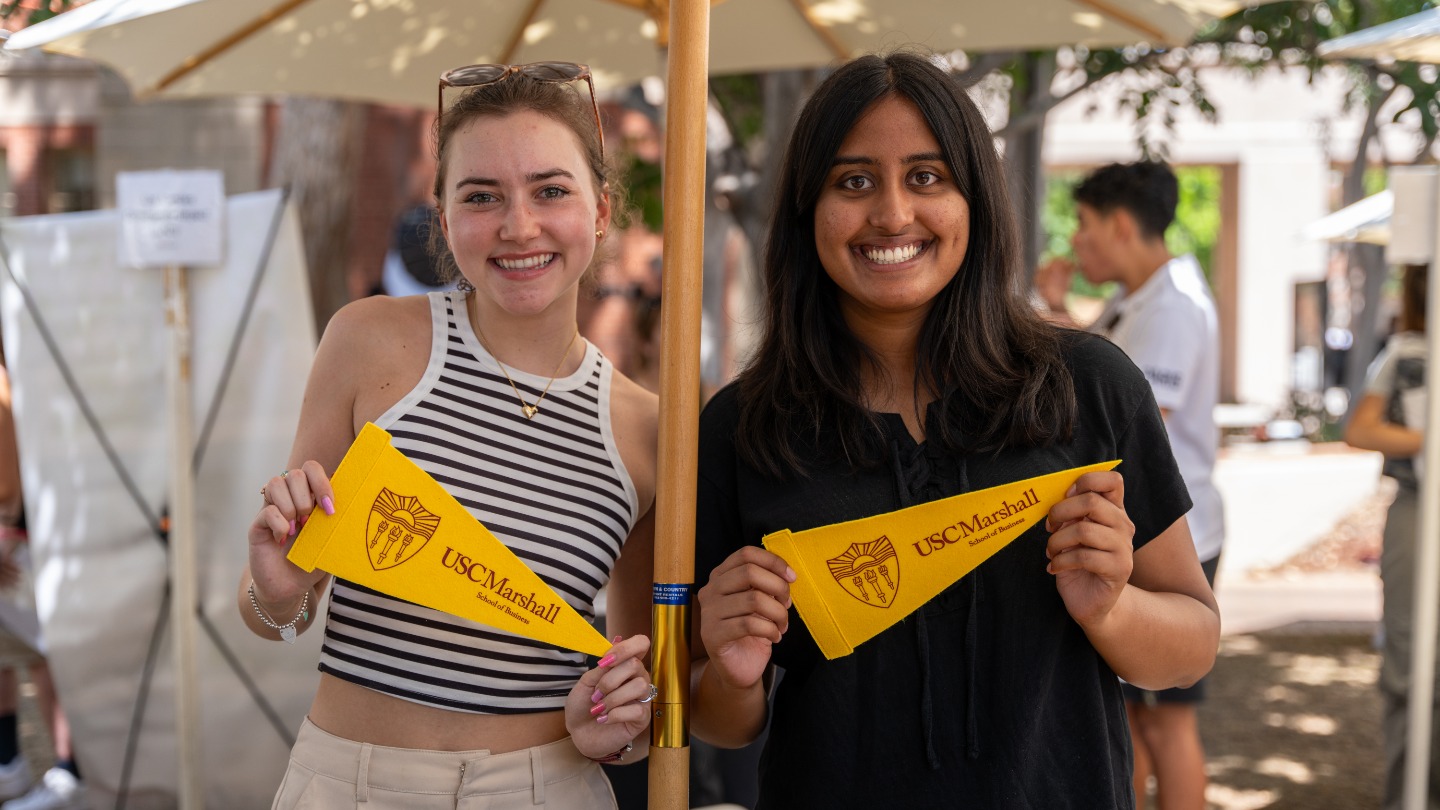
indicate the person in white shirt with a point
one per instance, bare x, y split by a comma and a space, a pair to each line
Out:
1164, 318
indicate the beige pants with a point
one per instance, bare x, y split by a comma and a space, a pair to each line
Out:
328, 772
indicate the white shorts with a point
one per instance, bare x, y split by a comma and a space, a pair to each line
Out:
329, 772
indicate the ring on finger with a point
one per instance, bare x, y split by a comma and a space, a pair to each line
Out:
654, 693
284, 473
265, 496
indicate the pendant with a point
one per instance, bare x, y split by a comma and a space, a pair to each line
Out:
530, 410
287, 634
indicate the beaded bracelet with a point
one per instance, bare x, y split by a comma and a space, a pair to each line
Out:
618, 756
287, 631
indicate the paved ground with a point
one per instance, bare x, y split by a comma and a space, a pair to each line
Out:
1293, 717
1293, 721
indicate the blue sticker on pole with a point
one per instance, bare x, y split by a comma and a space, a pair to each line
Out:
673, 593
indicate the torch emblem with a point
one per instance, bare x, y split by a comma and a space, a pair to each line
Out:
870, 572
398, 528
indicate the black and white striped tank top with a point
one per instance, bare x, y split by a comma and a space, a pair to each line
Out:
553, 489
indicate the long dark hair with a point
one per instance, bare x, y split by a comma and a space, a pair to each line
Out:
996, 367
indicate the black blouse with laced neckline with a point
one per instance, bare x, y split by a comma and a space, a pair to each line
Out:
990, 696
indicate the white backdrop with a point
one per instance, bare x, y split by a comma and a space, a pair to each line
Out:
100, 569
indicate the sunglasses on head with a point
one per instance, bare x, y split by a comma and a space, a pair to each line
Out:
556, 72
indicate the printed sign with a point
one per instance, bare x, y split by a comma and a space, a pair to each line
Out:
171, 218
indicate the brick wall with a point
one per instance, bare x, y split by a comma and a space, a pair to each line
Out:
395, 171
224, 134
30, 173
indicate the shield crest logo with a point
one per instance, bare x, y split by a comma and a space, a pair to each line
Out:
869, 572
398, 528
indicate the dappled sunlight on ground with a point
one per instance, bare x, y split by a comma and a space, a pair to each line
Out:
1229, 798
1303, 723
1292, 722
1297, 772
1320, 670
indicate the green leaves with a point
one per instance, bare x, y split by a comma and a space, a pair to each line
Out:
1160, 83
645, 185
33, 15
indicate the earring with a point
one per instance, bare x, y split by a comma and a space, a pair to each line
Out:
599, 234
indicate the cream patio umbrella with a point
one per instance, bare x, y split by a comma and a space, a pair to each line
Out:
392, 51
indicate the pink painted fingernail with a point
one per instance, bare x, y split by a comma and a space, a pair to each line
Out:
597, 708
619, 639
292, 527
328, 505
602, 718
607, 660
595, 698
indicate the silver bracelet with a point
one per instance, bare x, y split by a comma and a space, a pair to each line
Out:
287, 631
616, 757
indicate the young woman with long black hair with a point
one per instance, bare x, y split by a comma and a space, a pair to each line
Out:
901, 364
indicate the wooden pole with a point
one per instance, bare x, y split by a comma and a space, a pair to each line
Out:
182, 544
687, 95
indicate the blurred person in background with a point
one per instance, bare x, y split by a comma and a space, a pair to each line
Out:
59, 787
1163, 317
410, 269
1390, 419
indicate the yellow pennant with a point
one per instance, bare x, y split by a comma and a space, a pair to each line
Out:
857, 578
397, 531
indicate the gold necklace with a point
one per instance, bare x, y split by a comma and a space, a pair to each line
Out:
525, 407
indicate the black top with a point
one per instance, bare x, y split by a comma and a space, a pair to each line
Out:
990, 696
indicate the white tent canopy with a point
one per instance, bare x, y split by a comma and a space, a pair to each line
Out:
1365, 221
85, 342
1410, 39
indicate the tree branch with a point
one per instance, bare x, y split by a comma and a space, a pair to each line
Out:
983, 64
1035, 113
1353, 187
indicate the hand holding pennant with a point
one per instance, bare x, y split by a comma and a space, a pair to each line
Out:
399, 532
850, 586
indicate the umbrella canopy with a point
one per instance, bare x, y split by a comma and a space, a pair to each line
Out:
391, 51
1409, 39
1365, 221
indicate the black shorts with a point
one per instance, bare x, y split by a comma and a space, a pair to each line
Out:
1180, 694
